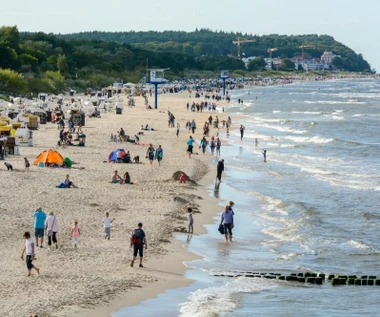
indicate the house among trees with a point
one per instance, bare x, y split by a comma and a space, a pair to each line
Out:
327, 57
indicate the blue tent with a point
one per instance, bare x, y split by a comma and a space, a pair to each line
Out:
113, 155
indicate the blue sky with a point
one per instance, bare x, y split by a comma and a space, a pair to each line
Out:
353, 23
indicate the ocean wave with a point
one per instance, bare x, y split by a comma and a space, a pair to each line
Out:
272, 204
331, 102
282, 129
314, 139
307, 112
348, 183
358, 245
287, 234
218, 301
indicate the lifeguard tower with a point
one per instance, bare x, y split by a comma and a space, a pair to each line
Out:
224, 75
156, 77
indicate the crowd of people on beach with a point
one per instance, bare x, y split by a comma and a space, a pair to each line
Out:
47, 225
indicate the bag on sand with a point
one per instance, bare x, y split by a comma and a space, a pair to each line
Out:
221, 229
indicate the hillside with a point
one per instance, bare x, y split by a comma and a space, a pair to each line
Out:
35, 62
218, 43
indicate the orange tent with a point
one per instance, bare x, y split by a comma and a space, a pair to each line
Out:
49, 157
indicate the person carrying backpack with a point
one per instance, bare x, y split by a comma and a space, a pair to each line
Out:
138, 241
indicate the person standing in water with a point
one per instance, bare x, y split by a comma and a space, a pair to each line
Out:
242, 128
265, 156
227, 220
190, 219
256, 143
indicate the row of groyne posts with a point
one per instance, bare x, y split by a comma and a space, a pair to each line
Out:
308, 277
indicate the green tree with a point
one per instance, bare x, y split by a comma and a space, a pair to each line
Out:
287, 65
337, 62
256, 64
62, 65
12, 81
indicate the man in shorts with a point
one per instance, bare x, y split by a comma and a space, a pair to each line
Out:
39, 226
138, 241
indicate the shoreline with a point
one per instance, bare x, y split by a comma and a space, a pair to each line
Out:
98, 268
177, 266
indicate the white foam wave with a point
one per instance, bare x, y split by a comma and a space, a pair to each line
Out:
272, 204
314, 139
283, 129
307, 112
218, 301
330, 102
358, 245
287, 234
348, 183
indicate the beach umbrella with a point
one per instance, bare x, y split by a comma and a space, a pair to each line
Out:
113, 155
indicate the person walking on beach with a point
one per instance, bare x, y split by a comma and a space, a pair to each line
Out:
39, 226
27, 164
159, 154
107, 225
190, 143
190, 227
204, 144
138, 241
177, 130
30, 251
212, 145
75, 233
193, 126
219, 170
218, 144
242, 128
150, 153
227, 220
265, 156
51, 227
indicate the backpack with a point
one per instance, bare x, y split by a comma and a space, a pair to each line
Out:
136, 237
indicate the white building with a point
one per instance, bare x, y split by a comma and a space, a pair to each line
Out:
246, 60
327, 57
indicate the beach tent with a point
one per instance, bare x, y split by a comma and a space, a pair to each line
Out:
49, 157
113, 155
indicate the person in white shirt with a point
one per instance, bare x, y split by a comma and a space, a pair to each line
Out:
30, 253
51, 227
107, 226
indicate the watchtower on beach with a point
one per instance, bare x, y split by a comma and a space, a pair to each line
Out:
224, 75
156, 77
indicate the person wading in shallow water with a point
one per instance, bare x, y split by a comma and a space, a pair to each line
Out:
228, 222
219, 170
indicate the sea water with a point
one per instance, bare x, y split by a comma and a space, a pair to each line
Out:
313, 206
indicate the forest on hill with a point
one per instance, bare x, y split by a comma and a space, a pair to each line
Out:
39, 62
205, 42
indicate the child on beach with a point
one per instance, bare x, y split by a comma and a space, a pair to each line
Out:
75, 233
190, 220
107, 225
27, 164
265, 156
182, 178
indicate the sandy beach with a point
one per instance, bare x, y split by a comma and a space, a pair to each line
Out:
97, 275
